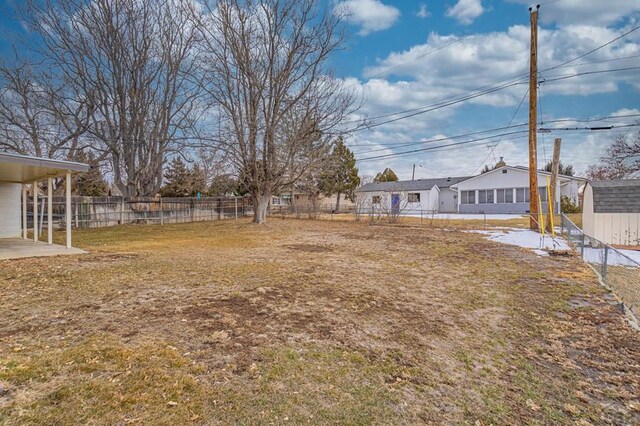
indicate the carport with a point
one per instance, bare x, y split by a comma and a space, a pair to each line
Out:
16, 172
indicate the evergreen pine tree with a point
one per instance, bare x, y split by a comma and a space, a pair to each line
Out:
387, 175
341, 174
562, 169
198, 180
177, 181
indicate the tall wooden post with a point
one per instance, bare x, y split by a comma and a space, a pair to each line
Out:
533, 139
555, 169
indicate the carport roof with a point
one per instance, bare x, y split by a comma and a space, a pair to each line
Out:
24, 169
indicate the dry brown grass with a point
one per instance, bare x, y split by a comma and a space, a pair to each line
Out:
309, 322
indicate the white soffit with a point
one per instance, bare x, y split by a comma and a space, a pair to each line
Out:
24, 169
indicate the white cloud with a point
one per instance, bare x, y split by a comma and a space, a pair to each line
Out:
465, 11
369, 15
568, 12
423, 12
422, 75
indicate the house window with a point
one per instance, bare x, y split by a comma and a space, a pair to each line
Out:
375, 199
500, 195
413, 197
485, 196
522, 195
508, 195
467, 197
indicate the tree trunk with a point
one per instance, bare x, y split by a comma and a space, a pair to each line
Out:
260, 205
338, 203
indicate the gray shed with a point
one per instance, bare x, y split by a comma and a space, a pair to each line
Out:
611, 211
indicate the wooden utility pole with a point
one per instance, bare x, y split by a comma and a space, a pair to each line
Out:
533, 139
555, 169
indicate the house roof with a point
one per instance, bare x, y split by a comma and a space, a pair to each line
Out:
616, 196
24, 169
411, 185
544, 172
526, 169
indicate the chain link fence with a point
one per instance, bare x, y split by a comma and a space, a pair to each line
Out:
617, 270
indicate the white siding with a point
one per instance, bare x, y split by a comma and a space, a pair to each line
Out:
588, 216
428, 201
448, 201
10, 210
511, 178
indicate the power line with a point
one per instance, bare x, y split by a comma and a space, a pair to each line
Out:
625, 58
565, 77
479, 132
594, 50
502, 85
479, 139
438, 106
596, 128
383, 72
510, 126
500, 139
430, 148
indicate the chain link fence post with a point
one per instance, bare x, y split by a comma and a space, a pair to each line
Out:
604, 265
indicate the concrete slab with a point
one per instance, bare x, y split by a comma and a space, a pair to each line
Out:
16, 248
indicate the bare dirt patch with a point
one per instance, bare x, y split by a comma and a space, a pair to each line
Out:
310, 322
309, 248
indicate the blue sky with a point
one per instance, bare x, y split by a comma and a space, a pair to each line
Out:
438, 50
495, 46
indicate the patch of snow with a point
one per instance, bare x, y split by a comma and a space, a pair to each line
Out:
526, 238
633, 254
596, 256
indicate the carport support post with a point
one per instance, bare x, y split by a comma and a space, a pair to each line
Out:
35, 211
49, 211
67, 200
24, 211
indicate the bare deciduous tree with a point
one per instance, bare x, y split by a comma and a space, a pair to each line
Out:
39, 117
620, 161
266, 72
132, 61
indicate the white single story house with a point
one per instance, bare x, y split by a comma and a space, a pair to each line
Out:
611, 211
505, 190
433, 195
18, 171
